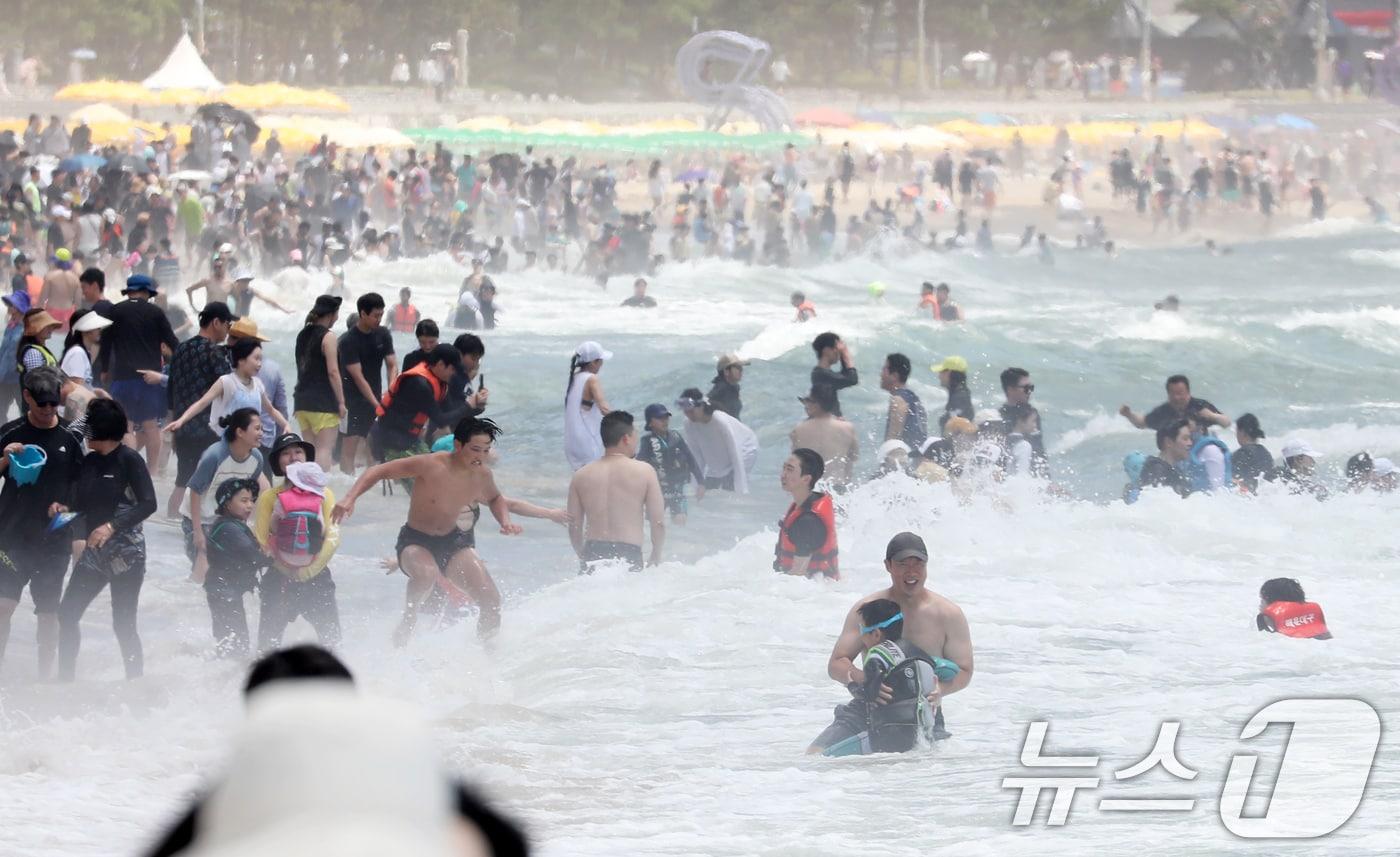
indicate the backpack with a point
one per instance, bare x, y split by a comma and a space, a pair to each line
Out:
297, 527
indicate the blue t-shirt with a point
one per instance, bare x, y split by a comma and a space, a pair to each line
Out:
216, 466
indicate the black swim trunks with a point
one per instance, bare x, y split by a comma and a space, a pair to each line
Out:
601, 551
442, 547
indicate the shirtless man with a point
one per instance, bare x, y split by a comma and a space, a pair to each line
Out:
831, 436
216, 286
611, 497
61, 288
431, 544
931, 622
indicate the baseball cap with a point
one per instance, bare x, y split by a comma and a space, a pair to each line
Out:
139, 282
63, 254
1298, 446
216, 311
905, 545
245, 328
18, 300
589, 351
727, 360
951, 364
656, 411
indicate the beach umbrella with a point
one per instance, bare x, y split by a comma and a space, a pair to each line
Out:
828, 116
1294, 123
882, 116
78, 163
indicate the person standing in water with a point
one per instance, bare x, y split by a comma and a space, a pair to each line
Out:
1252, 461
114, 495
611, 497
318, 398
725, 448
831, 352
931, 621
724, 390
584, 405
952, 375
366, 353
807, 533
830, 436
431, 544
139, 335
906, 421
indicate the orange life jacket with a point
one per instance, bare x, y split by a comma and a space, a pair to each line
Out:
930, 303
806, 310
823, 561
34, 284
1297, 618
405, 318
420, 420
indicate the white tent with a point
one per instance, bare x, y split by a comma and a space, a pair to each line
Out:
183, 69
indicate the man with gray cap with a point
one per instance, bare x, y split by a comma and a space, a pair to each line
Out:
931, 622
31, 554
724, 394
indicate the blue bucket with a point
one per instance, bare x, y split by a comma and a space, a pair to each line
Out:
26, 464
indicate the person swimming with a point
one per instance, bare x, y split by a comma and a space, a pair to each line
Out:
1284, 609
890, 712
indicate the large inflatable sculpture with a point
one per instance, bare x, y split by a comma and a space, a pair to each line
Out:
703, 66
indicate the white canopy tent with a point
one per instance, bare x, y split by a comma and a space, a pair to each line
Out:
183, 69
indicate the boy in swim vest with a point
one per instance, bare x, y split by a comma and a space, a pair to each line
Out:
235, 560
1284, 609
890, 709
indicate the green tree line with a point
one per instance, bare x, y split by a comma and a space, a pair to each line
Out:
578, 47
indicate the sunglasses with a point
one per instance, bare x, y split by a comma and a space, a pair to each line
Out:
45, 403
1029, 388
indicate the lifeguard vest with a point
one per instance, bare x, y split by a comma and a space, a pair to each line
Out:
823, 561
420, 419
1301, 619
49, 359
806, 310
405, 318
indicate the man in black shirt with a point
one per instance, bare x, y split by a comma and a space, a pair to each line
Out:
92, 282
365, 350
140, 336
724, 394
639, 296
1164, 470
1179, 405
30, 554
831, 351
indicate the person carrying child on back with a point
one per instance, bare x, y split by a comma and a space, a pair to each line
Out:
665, 450
235, 560
890, 712
294, 525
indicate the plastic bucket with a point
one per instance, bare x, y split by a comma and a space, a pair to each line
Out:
26, 464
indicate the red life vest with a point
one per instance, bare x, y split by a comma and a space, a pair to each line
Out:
405, 318
823, 561
34, 284
1297, 618
806, 310
931, 303
420, 419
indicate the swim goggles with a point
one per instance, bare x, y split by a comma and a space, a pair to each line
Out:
866, 629
687, 403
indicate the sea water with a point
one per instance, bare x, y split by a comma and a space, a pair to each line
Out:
667, 713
